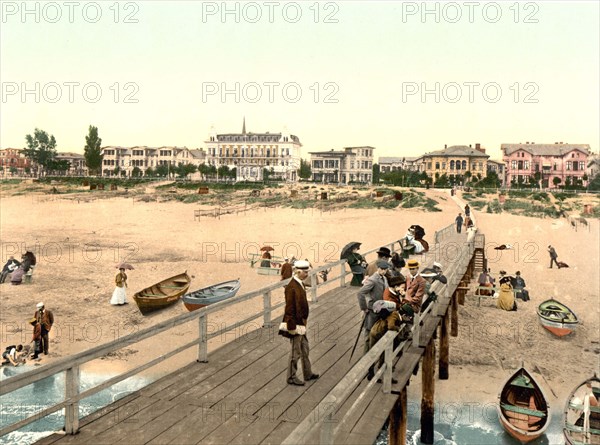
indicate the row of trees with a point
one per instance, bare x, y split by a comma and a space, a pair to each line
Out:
41, 149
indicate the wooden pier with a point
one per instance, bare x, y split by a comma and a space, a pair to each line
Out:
238, 394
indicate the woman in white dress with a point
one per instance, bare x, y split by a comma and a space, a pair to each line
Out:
120, 293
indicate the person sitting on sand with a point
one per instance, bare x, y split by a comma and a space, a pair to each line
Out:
506, 299
266, 260
10, 355
485, 279
10, 266
518, 284
17, 276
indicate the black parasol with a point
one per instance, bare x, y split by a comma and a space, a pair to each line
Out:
348, 249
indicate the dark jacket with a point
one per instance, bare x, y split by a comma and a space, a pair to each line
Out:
296, 305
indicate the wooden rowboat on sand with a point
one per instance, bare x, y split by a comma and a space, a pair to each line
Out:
162, 294
557, 318
211, 294
523, 408
582, 426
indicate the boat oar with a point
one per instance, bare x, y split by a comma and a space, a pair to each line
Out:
536, 369
359, 331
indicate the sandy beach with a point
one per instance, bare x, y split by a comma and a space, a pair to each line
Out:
78, 244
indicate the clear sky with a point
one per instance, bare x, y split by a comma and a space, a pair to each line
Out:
403, 77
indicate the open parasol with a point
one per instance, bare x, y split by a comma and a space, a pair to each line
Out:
125, 266
266, 249
348, 249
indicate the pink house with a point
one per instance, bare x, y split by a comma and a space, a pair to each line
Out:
564, 161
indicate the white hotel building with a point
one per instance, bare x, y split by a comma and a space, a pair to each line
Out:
142, 157
250, 153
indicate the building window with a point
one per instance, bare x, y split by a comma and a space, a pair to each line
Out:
568, 165
513, 165
429, 166
581, 165
451, 165
526, 165
437, 165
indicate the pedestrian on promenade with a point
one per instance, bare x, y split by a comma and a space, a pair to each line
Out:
46, 319
296, 317
459, 223
553, 256
286, 269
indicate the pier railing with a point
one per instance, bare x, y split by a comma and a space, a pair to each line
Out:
71, 365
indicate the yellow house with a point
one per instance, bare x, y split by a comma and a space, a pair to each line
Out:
454, 161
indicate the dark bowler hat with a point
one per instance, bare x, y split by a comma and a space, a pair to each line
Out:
396, 281
384, 251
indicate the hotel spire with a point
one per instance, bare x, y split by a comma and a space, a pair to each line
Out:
244, 126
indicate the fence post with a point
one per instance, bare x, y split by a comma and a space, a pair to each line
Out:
202, 339
342, 274
72, 409
416, 329
267, 308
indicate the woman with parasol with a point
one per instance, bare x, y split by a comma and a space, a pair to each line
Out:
355, 261
119, 295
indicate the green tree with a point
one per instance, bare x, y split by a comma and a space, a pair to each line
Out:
41, 149
149, 172
162, 170
376, 174
92, 151
136, 171
556, 180
594, 184
183, 170
223, 171
59, 166
304, 171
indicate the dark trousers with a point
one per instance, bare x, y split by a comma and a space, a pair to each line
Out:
45, 343
553, 260
4, 275
299, 351
458, 228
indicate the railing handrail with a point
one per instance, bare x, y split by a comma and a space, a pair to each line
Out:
72, 363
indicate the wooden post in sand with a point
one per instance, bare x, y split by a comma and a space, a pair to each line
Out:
398, 420
454, 315
342, 274
444, 348
428, 382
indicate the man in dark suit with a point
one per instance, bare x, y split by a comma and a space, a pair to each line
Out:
369, 293
286, 270
295, 316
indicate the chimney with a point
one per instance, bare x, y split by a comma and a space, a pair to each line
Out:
445, 145
526, 142
469, 145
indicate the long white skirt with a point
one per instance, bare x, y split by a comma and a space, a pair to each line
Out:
119, 295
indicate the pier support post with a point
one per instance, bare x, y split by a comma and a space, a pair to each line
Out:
72, 410
427, 404
454, 315
398, 420
313, 288
444, 348
342, 274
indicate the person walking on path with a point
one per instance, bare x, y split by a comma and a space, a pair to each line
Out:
46, 319
286, 269
119, 296
459, 223
467, 210
371, 292
296, 316
553, 256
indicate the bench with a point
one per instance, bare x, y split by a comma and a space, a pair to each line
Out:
579, 429
522, 410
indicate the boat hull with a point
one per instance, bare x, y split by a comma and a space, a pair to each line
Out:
162, 294
557, 318
573, 420
211, 294
522, 408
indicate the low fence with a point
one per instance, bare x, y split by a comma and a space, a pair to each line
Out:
71, 365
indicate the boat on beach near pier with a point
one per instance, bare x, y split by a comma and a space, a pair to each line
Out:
557, 318
211, 294
523, 408
582, 417
162, 294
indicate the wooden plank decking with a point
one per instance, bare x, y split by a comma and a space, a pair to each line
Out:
241, 396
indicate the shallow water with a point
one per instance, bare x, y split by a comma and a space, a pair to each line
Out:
40, 395
472, 427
